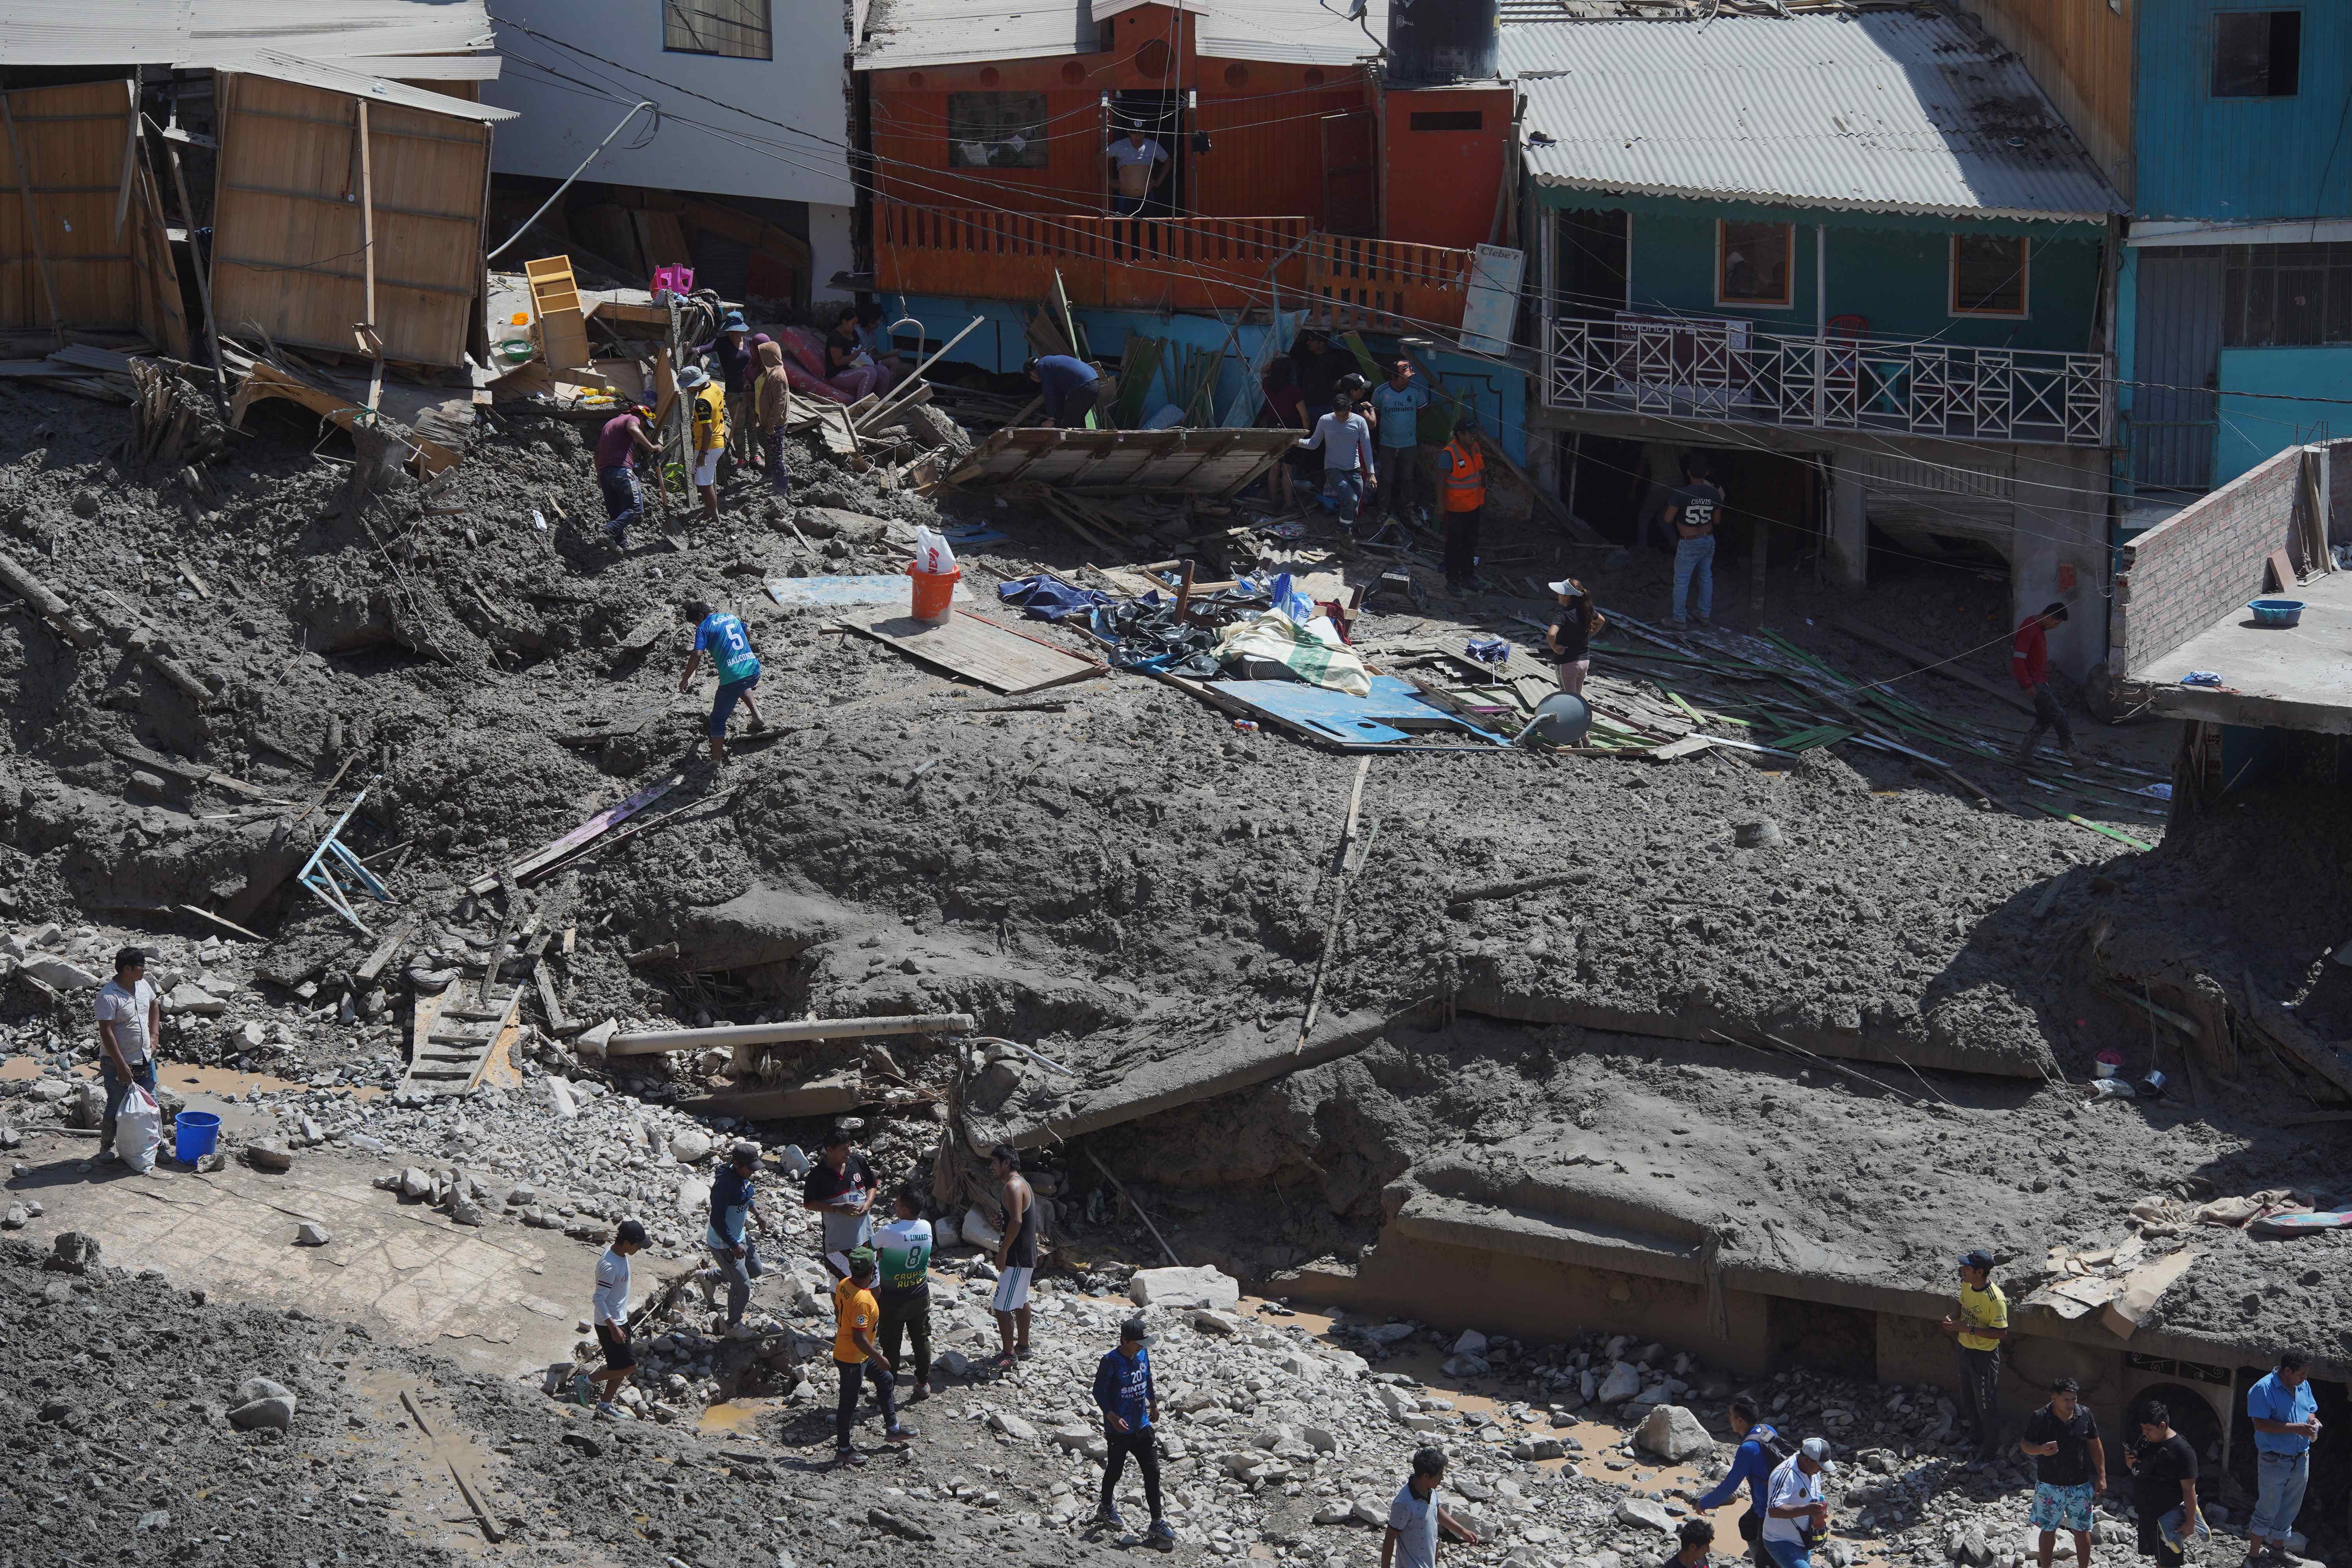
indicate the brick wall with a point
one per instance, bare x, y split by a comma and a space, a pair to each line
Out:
2188, 572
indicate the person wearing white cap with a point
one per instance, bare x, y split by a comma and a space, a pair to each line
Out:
1796, 1518
1570, 636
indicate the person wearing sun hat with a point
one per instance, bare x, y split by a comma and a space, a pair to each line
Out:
1570, 636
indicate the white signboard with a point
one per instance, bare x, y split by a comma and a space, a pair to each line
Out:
1492, 306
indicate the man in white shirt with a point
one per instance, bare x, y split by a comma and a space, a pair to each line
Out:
1417, 1520
1795, 1516
1345, 438
610, 1315
130, 1022
1139, 166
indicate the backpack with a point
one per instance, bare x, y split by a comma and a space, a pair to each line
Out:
1776, 1449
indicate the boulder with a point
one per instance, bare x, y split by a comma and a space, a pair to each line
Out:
592, 1042
16, 1218
269, 1154
1471, 1342
72, 1253
415, 1183
1623, 1381
85, 1104
254, 1388
1673, 1433
1220, 1323
1642, 1513
1012, 1425
1466, 1366
276, 1412
688, 1145
693, 1198
1364, 1512
1389, 1333
61, 974
1597, 1560
189, 998
560, 1099
1180, 1288
1533, 1449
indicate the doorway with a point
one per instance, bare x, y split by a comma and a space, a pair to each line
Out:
2177, 405
1839, 1341
1160, 114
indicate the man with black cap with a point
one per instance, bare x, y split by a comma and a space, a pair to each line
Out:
1129, 1402
728, 1234
841, 1187
2029, 661
1979, 1327
856, 1357
610, 1316
1797, 1519
130, 1022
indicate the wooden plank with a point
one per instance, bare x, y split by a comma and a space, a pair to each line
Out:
1933, 664
385, 950
595, 826
981, 650
32, 218
822, 1097
369, 337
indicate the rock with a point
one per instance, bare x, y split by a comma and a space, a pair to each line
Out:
1466, 1366
72, 1253
560, 1099
254, 1388
277, 1412
521, 1194
189, 997
61, 974
1012, 1425
977, 1231
591, 1043
1208, 1323
583, 1443
1641, 1511
415, 1183
1319, 1438
1389, 1333
86, 1104
688, 1145
1073, 1438
952, 1364
1597, 1560
1623, 1381
1182, 1288
269, 1154
896, 1524
1396, 1400
693, 1198
16, 1218
1673, 1433
311, 1233
1335, 1513
1533, 1449
1471, 1342
1370, 1513
464, 1210
1757, 832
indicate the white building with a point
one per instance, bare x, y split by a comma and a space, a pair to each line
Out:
751, 100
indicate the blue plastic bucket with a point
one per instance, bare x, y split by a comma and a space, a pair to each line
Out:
194, 1133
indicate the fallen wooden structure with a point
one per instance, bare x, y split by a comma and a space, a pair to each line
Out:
653, 1042
1216, 463
979, 650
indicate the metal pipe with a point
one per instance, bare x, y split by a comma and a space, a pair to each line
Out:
656, 1041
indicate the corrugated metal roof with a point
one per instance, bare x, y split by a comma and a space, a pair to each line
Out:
900, 34
1896, 112
359, 84
367, 34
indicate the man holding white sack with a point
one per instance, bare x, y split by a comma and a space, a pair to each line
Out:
130, 1022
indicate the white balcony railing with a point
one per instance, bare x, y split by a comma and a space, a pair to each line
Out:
1716, 369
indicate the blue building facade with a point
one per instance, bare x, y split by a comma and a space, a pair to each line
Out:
2234, 291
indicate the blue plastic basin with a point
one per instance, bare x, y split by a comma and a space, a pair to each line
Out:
2276, 611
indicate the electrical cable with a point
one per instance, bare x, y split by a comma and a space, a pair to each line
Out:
594, 155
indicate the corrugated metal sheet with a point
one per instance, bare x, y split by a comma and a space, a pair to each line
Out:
1878, 113
356, 34
374, 89
905, 33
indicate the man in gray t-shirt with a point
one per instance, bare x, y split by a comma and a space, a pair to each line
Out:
129, 1021
1416, 1517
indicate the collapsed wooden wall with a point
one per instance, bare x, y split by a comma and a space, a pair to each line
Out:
290, 256
83, 243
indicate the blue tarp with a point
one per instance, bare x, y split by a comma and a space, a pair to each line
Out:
1357, 720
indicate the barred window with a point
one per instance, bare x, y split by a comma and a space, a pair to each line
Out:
996, 131
737, 28
2280, 296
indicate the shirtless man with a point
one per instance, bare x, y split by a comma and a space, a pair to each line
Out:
1016, 1254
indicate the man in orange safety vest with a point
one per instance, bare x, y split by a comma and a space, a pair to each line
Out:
1465, 502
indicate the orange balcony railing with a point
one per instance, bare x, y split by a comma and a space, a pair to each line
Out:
1168, 263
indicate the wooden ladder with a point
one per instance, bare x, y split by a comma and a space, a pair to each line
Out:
456, 1033
562, 326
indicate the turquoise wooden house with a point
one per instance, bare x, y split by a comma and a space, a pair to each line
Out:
1857, 257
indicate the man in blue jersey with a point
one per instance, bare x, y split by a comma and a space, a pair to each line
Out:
722, 634
1129, 1403
1761, 1450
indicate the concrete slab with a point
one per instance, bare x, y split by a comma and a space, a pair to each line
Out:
2297, 677
498, 1297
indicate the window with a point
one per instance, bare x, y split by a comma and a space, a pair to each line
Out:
1449, 119
2281, 296
996, 131
1989, 274
1752, 262
2257, 54
737, 28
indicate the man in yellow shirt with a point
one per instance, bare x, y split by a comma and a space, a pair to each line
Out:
856, 1314
707, 416
1978, 1330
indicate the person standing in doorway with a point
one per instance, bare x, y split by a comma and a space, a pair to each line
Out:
618, 446
1691, 511
1416, 1518
129, 1023
728, 1234
2029, 661
1796, 1516
1016, 1255
771, 410
722, 635
1466, 504
2286, 1420
1760, 1453
2164, 1486
1569, 640
1138, 168
1129, 1403
841, 1187
707, 409
2070, 1470
1978, 1327
1068, 386
1398, 402
858, 1358
610, 1317
903, 1252
1318, 367
1345, 440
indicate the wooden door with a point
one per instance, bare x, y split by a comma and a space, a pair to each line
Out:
1350, 202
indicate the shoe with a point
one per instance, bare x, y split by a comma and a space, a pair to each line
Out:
847, 1457
583, 1391
1162, 1533
922, 1392
612, 1412
1107, 1518
902, 1433
1704, 620
1679, 624
741, 1331
109, 1158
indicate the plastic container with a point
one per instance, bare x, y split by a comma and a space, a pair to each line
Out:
934, 593
673, 280
516, 351
2108, 1064
2276, 611
1245, 726
194, 1133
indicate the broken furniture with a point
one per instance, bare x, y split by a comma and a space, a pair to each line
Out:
331, 862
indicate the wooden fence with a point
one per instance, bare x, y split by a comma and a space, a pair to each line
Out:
83, 246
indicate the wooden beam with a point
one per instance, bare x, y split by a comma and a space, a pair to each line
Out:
202, 269
367, 260
653, 1042
1928, 662
33, 221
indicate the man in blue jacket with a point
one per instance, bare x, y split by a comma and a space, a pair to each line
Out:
1130, 1403
1761, 1448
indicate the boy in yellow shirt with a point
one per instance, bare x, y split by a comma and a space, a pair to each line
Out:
1978, 1330
857, 1314
707, 407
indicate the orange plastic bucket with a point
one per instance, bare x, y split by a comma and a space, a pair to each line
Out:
934, 592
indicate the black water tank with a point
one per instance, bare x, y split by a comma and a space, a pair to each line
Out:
1434, 42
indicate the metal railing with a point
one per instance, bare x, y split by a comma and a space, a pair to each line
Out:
1168, 263
1726, 370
